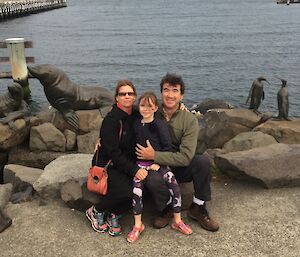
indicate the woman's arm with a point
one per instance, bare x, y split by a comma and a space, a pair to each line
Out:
110, 140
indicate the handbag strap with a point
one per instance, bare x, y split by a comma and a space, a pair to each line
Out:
98, 145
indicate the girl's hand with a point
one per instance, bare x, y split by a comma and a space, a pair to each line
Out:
141, 174
183, 107
154, 166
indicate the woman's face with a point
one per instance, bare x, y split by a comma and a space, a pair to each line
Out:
126, 96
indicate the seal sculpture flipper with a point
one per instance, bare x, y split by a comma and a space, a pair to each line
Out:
66, 96
71, 118
69, 115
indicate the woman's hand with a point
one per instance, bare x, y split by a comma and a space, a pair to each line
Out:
97, 145
141, 174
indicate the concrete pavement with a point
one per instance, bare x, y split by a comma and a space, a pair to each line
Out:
254, 222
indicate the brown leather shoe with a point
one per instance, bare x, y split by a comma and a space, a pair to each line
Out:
200, 214
163, 220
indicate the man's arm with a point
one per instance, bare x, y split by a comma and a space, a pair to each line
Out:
187, 147
186, 151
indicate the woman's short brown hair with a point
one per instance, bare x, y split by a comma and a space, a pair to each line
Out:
123, 83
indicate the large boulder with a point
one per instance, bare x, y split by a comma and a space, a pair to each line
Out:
59, 171
5, 193
38, 159
86, 143
248, 140
76, 195
275, 165
47, 137
221, 125
70, 140
15, 135
209, 104
287, 132
21, 176
89, 120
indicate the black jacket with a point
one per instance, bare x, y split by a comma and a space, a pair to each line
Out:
120, 150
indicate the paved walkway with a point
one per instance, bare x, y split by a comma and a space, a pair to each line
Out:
254, 222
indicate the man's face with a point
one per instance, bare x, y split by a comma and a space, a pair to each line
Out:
171, 96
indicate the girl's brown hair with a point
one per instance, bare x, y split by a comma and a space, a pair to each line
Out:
148, 97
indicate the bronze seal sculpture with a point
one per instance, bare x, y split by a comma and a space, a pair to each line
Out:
12, 105
283, 101
256, 93
66, 96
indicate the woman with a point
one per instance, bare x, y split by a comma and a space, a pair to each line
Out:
117, 145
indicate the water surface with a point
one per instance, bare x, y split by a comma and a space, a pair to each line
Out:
219, 47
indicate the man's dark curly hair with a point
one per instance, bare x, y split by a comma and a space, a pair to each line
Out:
172, 79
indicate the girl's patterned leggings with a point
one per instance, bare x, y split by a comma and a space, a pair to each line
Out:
172, 184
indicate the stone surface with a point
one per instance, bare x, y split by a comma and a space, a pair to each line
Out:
276, 165
3, 161
221, 125
187, 193
248, 140
10, 137
16, 174
89, 120
64, 168
5, 193
86, 143
287, 132
76, 195
47, 137
70, 140
23, 156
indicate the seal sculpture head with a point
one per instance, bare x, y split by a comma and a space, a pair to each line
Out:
66, 96
256, 93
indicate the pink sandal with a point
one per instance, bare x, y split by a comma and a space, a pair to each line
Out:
135, 233
182, 227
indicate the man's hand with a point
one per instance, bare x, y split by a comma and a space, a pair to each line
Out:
145, 153
141, 174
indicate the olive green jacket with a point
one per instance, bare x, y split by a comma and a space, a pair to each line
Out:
184, 130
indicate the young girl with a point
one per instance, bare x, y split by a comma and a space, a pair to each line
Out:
156, 131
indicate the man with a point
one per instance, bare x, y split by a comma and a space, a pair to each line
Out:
183, 160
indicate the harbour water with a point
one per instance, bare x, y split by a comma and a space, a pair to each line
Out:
218, 46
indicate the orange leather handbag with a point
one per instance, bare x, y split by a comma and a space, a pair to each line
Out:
97, 179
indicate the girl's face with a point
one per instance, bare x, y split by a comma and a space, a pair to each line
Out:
126, 96
147, 108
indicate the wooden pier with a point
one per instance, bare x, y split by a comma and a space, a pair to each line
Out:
287, 2
16, 8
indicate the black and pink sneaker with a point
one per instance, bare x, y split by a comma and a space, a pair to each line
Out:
113, 223
97, 219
